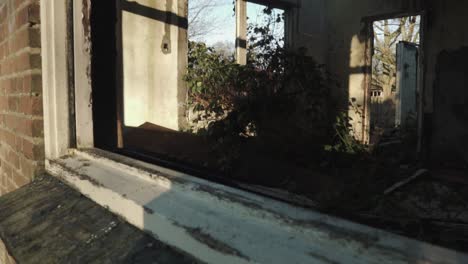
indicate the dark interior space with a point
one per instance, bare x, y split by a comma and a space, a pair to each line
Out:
104, 69
451, 99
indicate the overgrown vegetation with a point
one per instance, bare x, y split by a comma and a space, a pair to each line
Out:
279, 100
273, 122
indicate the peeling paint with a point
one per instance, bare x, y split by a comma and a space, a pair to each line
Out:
75, 173
338, 233
148, 210
154, 173
213, 243
207, 225
322, 258
222, 195
333, 232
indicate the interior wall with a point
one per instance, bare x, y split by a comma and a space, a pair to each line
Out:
308, 28
446, 81
336, 33
154, 50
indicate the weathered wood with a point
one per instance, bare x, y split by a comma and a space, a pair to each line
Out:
48, 222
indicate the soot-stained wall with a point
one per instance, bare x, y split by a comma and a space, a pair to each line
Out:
446, 79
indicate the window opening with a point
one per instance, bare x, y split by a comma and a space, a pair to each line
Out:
219, 116
269, 124
263, 20
213, 23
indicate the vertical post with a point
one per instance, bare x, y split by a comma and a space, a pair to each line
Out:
83, 89
367, 83
420, 85
55, 78
241, 32
119, 77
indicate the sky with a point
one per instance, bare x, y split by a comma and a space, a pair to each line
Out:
223, 16
393, 27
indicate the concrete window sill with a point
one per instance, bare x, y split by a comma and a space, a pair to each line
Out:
219, 224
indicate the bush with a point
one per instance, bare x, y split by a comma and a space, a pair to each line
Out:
280, 99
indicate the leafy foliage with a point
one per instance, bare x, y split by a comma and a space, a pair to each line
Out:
279, 101
344, 140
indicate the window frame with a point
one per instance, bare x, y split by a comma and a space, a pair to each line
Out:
311, 236
241, 9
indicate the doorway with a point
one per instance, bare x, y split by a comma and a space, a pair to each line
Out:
394, 86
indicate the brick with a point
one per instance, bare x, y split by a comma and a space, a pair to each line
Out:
34, 37
20, 40
29, 168
18, 3
13, 122
5, 86
18, 143
4, 176
32, 84
4, 67
33, 151
3, 13
11, 185
31, 105
27, 37
20, 180
31, 127
3, 104
28, 15
13, 159
7, 66
13, 103
3, 32
22, 62
18, 85
7, 171
21, 17
10, 88
34, 14
20, 97
10, 139
2, 52
35, 61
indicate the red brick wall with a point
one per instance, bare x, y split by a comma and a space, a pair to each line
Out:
21, 122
